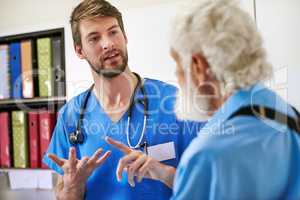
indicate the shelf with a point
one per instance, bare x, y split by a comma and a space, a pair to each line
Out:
49, 45
58, 31
24, 169
34, 103
26, 178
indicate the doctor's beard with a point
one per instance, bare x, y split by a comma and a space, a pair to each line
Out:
190, 104
111, 73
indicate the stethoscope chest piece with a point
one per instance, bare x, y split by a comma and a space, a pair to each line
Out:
76, 138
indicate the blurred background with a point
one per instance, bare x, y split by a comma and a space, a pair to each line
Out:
147, 27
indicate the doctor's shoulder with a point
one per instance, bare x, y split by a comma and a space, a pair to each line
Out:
154, 85
72, 107
162, 91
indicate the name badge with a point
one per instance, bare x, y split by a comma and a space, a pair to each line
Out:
162, 152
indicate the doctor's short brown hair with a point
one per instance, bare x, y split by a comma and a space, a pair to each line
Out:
89, 9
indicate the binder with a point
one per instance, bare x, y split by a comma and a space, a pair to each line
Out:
15, 69
5, 144
27, 68
58, 69
20, 139
34, 142
44, 55
35, 74
4, 72
46, 126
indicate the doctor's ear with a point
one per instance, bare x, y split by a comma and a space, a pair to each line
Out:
78, 50
125, 37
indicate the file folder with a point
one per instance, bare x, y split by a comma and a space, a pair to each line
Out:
4, 72
34, 142
5, 138
58, 69
20, 139
47, 122
35, 73
27, 68
15, 70
44, 55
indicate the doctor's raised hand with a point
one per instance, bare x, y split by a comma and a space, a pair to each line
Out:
76, 172
140, 165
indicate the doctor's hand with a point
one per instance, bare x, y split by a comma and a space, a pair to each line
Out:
138, 164
77, 171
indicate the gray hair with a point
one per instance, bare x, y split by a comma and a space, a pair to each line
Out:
227, 37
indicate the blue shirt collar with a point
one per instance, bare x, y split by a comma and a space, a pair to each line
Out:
237, 100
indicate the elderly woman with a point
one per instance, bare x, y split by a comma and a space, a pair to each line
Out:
250, 147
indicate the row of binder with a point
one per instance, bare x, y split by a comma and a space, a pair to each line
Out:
32, 68
24, 138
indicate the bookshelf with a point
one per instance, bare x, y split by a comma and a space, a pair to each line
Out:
38, 61
33, 89
54, 103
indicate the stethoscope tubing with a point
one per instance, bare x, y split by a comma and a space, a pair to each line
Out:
78, 138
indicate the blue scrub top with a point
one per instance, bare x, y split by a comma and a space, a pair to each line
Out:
244, 157
162, 127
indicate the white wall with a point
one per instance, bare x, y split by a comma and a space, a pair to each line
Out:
279, 22
147, 48
146, 23
147, 31
147, 26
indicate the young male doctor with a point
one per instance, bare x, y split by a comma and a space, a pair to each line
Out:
121, 105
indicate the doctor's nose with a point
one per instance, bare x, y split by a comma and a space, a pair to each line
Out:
107, 44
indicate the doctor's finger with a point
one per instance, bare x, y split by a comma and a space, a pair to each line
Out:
59, 161
72, 157
103, 158
138, 163
81, 165
130, 176
125, 149
124, 162
143, 170
135, 166
95, 156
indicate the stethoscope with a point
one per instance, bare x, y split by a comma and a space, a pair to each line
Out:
77, 137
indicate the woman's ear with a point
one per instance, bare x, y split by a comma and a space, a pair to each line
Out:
199, 68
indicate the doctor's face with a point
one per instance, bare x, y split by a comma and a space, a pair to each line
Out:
103, 45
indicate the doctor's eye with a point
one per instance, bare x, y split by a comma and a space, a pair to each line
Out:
93, 39
114, 32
